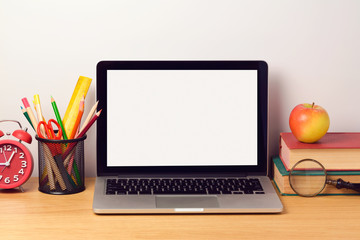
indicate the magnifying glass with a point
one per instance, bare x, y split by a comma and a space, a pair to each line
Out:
308, 178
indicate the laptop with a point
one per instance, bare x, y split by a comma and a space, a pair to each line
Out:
183, 137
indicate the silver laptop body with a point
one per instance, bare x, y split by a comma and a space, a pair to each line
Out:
191, 124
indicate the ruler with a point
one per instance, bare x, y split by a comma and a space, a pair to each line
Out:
81, 89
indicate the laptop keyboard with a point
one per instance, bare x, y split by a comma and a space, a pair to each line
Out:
134, 186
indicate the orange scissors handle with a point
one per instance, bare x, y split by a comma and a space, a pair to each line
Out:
59, 133
38, 130
49, 131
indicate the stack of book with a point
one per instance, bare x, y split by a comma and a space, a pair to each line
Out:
339, 153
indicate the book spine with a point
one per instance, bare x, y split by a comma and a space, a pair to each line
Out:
283, 158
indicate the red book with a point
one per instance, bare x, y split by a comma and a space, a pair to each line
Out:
336, 151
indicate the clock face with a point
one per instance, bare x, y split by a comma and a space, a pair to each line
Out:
16, 164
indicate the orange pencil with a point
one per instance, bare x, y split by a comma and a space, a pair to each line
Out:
78, 118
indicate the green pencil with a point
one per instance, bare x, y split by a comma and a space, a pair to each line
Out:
58, 117
27, 117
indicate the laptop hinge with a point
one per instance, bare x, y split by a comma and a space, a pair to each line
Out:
162, 175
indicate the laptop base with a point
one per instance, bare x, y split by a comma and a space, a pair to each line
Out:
177, 204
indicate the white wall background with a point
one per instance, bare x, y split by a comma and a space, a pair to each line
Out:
312, 48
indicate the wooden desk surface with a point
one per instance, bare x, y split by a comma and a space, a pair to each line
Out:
36, 215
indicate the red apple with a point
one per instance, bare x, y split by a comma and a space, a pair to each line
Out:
309, 122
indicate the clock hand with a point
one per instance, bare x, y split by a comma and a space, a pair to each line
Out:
4, 156
5, 163
11, 157
8, 161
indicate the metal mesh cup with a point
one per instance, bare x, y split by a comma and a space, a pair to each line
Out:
61, 165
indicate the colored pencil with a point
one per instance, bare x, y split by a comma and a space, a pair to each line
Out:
38, 107
27, 116
89, 116
52, 166
82, 133
30, 113
38, 111
48, 162
58, 117
78, 118
94, 118
72, 136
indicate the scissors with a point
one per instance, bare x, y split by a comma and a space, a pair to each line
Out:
49, 130
55, 148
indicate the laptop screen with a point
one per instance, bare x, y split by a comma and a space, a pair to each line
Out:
180, 118
198, 117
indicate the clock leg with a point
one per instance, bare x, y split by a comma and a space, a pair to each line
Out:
21, 189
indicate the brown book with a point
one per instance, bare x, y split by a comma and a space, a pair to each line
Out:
336, 151
281, 180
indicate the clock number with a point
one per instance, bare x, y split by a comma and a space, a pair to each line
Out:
21, 171
6, 148
0, 177
16, 178
21, 155
7, 180
23, 164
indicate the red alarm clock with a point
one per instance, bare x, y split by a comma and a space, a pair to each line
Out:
16, 161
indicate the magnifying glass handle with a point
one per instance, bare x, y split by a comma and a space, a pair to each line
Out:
342, 184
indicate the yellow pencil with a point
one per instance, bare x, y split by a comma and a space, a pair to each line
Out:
39, 112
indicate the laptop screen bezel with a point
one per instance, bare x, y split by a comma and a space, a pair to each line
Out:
262, 110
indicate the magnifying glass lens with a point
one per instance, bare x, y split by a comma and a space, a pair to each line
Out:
307, 178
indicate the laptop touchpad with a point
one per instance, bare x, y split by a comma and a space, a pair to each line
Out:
187, 202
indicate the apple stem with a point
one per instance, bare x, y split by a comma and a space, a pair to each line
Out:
312, 106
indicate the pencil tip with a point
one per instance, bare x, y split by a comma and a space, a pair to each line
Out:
25, 102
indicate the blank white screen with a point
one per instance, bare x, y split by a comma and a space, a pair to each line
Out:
182, 117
